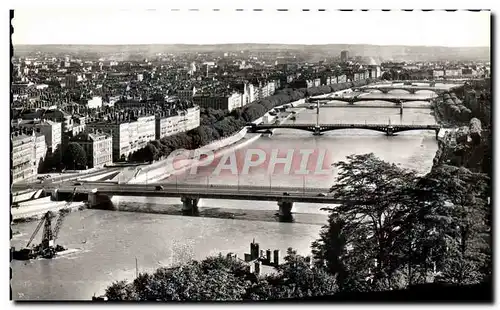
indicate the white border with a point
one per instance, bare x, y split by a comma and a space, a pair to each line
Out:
184, 4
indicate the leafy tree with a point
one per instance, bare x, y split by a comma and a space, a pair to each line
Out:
296, 278
225, 278
365, 242
74, 156
120, 291
400, 229
460, 220
386, 76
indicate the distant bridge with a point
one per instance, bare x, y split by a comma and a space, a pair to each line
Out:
319, 129
360, 98
410, 89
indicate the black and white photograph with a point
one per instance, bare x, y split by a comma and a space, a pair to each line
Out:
250, 155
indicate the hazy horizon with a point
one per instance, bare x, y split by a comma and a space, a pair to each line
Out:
245, 43
162, 27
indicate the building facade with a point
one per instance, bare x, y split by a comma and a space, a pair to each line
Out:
98, 147
186, 94
23, 156
218, 102
40, 151
184, 121
50, 129
127, 136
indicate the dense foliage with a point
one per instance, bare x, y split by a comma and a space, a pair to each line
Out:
408, 229
473, 147
225, 278
74, 156
217, 124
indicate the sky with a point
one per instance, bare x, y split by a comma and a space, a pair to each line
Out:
90, 26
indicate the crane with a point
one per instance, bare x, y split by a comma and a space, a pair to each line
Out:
46, 248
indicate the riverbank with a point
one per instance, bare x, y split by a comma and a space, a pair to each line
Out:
36, 212
162, 169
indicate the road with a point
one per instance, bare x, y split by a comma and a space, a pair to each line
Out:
62, 177
265, 193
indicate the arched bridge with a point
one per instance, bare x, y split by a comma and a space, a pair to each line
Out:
408, 88
319, 129
373, 98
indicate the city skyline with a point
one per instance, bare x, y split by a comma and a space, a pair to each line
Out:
114, 27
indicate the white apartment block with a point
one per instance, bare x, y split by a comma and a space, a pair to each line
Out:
128, 137
23, 156
170, 125
50, 129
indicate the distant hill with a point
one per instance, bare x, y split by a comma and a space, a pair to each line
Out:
387, 52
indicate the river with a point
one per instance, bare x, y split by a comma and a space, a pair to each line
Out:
110, 241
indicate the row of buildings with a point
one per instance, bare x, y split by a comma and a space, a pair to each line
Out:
132, 134
28, 153
105, 139
237, 96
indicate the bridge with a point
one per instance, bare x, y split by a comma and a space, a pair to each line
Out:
190, 194
318, 129
410, 89
359, 98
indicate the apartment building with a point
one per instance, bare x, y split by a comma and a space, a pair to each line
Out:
167, 125
98, 147
127, 136
186, 94
50, 129
23, 156
219, 102
40, 151
437, 73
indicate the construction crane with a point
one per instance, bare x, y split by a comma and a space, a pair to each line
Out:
47, 248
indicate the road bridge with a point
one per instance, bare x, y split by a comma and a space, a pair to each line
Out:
318, 129
190, 194
361, 98
410, 89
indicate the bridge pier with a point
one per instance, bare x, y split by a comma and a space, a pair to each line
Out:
92, 198
390, 131
189, 204
102, 201
55, 195
317, 131
285, 208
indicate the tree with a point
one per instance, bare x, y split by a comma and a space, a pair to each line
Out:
120, 291
296, 278
459, 219
74, 156
212, 279
386, 76
226, 278
365, 244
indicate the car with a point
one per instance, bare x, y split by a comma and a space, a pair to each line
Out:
78, 183
159, 188
286, 194
322, 194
